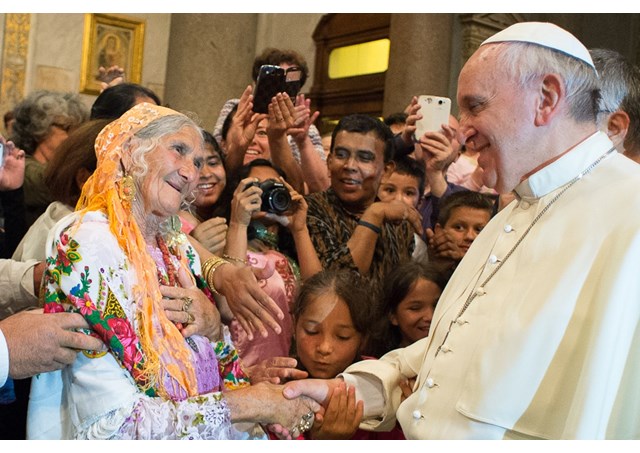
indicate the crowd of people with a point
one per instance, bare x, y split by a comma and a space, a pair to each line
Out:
166, 280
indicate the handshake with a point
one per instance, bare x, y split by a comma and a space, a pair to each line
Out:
327, 409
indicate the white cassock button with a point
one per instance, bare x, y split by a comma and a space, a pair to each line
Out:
460, 321
417, 415
508, 228
429, 382
493, 259
445, 348
525, 204
480, 291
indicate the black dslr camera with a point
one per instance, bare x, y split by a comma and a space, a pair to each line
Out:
275, 196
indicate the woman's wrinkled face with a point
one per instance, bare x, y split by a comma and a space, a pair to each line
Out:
326, 340
212, 180
173, 169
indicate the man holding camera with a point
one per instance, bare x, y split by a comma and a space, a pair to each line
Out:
349, 229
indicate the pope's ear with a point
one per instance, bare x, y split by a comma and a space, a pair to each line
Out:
551, 92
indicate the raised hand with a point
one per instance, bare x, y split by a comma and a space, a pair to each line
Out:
303, 117
413, 115
282, 115
109, 77
12, 168
244, 123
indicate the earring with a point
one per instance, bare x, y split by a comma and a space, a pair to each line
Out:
126, 186
189, 199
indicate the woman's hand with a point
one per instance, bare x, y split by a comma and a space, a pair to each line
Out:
275, 370
264, 403
342, 415
251, 306
303, 117
246, 200
189, 306
282, 115
297, 216
212, 234
245, 122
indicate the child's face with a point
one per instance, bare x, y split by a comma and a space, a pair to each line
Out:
326, 340
400, 187
413, 315
465, 224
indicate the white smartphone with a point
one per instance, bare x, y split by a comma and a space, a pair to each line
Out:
435, 111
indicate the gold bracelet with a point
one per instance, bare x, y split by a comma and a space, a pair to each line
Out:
233, 258
209, 267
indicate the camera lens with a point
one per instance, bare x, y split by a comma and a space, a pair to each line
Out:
275, 197
279, 200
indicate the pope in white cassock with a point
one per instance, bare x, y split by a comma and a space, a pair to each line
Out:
537, 333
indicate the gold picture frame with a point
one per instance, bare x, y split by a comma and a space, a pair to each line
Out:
110, 41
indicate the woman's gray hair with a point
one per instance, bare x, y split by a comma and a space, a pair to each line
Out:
42, 109
148, 138
527, 62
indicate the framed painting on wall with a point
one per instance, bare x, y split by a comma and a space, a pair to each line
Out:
110, 41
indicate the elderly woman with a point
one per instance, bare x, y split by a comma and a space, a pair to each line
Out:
43, 121
122, 262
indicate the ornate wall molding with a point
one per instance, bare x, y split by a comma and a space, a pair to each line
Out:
478, 27
14, 59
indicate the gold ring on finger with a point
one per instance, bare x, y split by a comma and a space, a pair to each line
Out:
186, 303
190, 318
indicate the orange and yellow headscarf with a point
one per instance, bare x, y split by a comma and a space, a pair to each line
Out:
168, 358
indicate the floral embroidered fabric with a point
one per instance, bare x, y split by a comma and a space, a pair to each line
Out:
88, 273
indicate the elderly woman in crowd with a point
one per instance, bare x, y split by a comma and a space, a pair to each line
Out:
43, 121
122, 262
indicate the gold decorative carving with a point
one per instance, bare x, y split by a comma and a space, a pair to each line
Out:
14, 59
478, 27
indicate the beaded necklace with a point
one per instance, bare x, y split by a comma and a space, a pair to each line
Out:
172, 276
